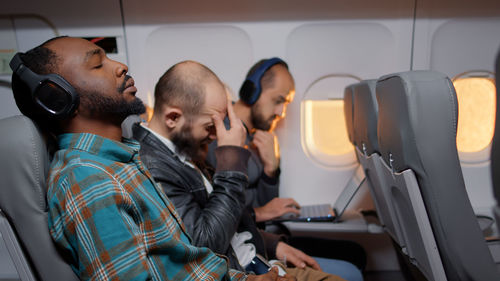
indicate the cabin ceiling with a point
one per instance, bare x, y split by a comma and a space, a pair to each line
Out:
98, 13
158, 11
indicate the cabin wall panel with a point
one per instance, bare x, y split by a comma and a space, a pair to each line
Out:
455, 44
229, 49
336, 47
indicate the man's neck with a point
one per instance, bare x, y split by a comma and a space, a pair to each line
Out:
158, 127
104, 129
244, 113
159, 131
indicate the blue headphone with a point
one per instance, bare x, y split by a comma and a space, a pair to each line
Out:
251, 88
51, 92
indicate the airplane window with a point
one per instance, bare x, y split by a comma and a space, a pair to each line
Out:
476, 106
323, 126
146, 116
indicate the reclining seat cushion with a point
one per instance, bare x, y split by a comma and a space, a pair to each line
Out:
24, 162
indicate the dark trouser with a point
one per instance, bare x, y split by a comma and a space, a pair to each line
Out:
332, 249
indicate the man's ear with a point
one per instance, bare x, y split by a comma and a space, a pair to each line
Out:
173, 116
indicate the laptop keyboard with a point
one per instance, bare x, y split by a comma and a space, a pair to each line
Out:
320, 210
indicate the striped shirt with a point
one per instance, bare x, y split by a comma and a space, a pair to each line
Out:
106, 211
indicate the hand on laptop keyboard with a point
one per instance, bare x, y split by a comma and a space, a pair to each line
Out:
276, 208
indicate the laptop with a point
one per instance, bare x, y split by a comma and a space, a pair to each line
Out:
325, 212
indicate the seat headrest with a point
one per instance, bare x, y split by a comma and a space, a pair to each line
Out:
418, 112
365, 116
349, 111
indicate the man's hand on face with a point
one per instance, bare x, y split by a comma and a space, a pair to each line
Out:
276, 208
236, 135
271, 276
266, 144
295, 257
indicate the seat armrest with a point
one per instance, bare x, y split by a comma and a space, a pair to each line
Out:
494, 246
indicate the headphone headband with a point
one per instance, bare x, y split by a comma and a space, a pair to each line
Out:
251, 89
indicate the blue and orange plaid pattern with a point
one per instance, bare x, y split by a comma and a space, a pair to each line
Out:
106, 210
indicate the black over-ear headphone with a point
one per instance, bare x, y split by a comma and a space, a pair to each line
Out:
251, 88
51, 92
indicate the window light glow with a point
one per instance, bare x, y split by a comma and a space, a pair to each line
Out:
324, 127
149, 107
146, 116
476, 108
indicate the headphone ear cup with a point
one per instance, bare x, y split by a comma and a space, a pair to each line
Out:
248, 92
251, 89
57, 97
48, 92
24, 99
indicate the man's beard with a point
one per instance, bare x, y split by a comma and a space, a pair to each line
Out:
186, 144
259, 122
114, 109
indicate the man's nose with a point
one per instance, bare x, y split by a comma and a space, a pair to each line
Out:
280, 111
120, 68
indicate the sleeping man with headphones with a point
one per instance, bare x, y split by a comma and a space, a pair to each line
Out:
105, 211
264, 95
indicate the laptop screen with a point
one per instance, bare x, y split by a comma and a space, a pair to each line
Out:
349, 191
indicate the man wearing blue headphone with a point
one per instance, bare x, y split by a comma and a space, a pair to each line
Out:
264, 96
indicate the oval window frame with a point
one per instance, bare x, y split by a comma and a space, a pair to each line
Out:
344, 160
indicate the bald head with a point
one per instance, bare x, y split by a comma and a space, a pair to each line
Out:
184, 85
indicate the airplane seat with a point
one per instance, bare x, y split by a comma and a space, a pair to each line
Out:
24, 163
495, 149
417, 126
127, 125
368, 153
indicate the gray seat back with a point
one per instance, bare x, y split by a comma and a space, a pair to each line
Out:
417, 125
495, 149
417, 238
367, 150
24, 162
349, 111
365, 116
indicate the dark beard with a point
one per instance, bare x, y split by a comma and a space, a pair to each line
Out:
187, 145
258, 120
114, 110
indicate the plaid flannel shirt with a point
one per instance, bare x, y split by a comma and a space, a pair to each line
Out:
107, 212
